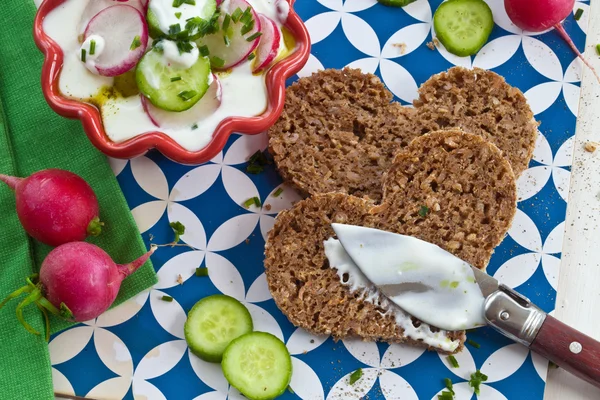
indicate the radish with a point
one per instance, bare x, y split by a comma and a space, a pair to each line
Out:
206, 106
124, 33
77, 281
540, 15
95, 6
270, 41
230, 47
55, 206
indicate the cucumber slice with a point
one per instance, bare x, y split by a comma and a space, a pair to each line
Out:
463, 26
213, 323
258, 365
154, 77
396, 3
157, 27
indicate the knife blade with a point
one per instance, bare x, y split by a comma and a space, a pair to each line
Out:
386, 259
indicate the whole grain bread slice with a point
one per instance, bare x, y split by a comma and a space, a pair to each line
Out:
452, 189
339, 132
308, 291
468, 220
480, 102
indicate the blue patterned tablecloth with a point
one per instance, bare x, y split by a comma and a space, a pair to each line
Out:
137, 350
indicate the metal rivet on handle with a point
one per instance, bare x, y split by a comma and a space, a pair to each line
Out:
575, 347
504, 315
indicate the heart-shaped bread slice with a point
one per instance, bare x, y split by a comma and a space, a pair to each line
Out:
312, 295
339, 130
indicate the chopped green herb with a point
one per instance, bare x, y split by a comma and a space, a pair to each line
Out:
445, 396
476, 379
258, 158
246, 16
217, 62
252, 201
204, 51
167, 298
355, 376
578, 14
184, 46
235, 16
92, 47
255, 36
248, 27
454, 284
473, 343
201, 271
452, 361
195, 126
197, 27
598, 49
423, 211
278, 192
178, 229
226, 21
187, 95
448, 384
137, 42
254, 169
174, 29
251, 56
226, 40
83, 55
178, 3
177, 15
175, 78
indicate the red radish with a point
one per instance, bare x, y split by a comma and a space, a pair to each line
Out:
119, 26
239, 47
95, 6
540, 15
77, 281
208, 104
270, 41
55, 206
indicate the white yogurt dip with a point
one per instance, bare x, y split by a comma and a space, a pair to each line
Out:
244, 94
351, 275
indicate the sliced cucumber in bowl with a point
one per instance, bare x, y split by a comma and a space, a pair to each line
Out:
168, 84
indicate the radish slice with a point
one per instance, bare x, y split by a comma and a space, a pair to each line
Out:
207, 105
119, 26
270, 41
224, 56
95, 6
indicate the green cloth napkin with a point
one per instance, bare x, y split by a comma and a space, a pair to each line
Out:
33, 137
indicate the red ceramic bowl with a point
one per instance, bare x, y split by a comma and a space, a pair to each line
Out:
91, 120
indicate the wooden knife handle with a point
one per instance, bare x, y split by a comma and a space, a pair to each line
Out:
570, 349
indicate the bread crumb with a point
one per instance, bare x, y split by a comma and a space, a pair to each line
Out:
179, 279
401, 47
591, 146
247, 241
430, 45
436, 42
268, 207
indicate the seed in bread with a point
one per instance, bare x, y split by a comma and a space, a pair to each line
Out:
308, 291
339, 132
480, 102
452, 189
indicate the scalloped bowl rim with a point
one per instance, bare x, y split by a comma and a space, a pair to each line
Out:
91, 120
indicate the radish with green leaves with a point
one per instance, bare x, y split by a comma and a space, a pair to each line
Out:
55, 206
541, 15
77, 281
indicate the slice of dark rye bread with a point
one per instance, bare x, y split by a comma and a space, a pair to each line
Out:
480, 102
339, 130
310, 293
